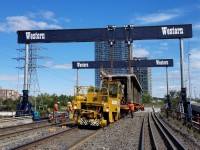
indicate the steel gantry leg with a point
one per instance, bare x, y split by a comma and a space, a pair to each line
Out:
128, 34
26, 68
111, 39
129, 57
25, 107
111, 57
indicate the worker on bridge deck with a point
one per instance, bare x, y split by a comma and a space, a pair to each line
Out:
131, 107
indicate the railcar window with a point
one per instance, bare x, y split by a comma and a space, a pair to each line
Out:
104, 88
113, 90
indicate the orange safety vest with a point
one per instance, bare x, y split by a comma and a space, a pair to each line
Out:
131, 106
55, 107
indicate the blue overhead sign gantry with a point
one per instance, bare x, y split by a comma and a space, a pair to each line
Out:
104, 34
122, 64
111, 34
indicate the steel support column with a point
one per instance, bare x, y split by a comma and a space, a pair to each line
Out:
26, 67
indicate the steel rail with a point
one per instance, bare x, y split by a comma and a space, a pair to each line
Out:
83, 140
141, 141
21, 125
172, 138
19, 132
153, 139
169, 144
13, 119
41, 140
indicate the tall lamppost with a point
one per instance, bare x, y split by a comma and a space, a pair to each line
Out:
189, 76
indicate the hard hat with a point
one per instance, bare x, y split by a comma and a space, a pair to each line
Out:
58, 102
69, 102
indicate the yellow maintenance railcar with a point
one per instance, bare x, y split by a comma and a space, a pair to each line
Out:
99, 106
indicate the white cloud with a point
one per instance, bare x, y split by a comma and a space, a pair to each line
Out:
49, 15
65, 19
174, 87
195, 57
155, 18
157, 52
164, 44
2, 27
64, 66
195, 53
140, 52
197, 26
48, 63
10, 77
159, 91
196, 65
15, 23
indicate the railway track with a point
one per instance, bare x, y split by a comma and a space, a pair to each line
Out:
21, 128
5, 122
69, 143
144, 131
31, 132
14, 132
25, 126
159, 135
40, 141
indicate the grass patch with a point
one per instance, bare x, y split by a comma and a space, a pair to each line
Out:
196, 135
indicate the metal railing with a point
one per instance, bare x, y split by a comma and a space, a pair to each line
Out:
192, 122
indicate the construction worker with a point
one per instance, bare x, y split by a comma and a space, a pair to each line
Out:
153, 108
131, 107
69, 109
55, 111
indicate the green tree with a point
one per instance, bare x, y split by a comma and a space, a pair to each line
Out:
147, 98
175, 98
63, 100
10, 104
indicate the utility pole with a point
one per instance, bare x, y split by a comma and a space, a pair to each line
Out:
167, 82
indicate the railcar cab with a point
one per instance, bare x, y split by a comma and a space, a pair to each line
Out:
111, 90
111, 94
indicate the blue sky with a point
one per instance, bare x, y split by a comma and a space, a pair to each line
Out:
59, 78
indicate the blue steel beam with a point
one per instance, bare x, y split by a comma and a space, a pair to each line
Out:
103, 34
122, 64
